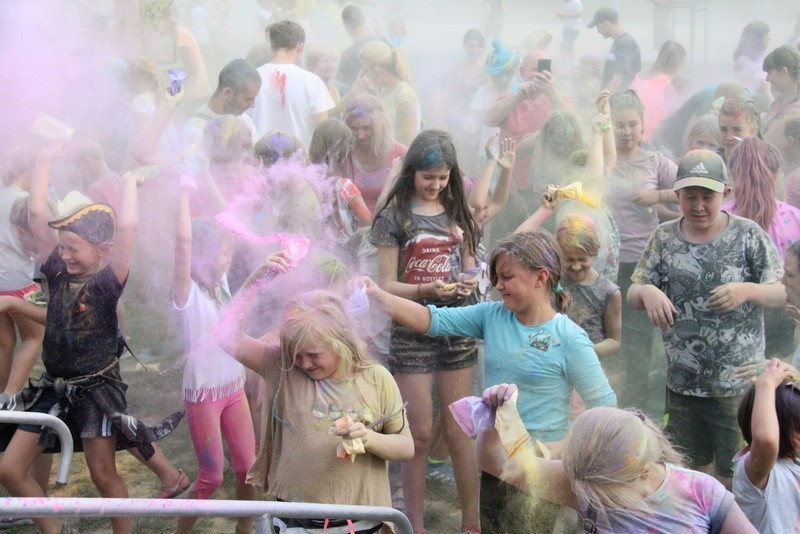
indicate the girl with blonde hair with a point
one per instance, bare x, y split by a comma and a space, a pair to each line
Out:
622, 475
326, 398
387, 69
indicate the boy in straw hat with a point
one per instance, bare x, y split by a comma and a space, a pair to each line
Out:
85, 272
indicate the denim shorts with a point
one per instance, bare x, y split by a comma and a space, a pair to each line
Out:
705, 429
413, 353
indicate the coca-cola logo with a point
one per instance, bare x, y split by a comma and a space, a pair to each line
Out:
438, 264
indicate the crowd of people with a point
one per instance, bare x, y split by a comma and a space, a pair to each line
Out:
595, 245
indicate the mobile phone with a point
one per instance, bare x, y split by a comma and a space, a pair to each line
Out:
544, 65
176, 77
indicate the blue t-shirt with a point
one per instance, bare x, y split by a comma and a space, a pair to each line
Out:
545, 361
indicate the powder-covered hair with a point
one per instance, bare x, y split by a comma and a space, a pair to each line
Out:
317, 52
705, 124
331, 145
754, 166
787, 408
558, 138
225, 139
368, 106
580, 232
628, 99
670, 58
534, 250
434, 149
607, 451
319, 319
737, 107
276, 145
383, 55
17, 161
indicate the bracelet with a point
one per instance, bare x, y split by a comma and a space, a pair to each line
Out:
419, 291
660, 198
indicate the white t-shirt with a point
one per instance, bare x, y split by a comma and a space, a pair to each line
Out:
573, 6
288, 100
209, 371
776, 508
485, 96
16, 267
194, 125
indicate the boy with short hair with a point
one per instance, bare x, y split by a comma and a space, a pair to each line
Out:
704, 280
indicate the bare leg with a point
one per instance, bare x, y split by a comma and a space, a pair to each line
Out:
8, 338
100, 458
417, 389
244, 492
15, 466
40, 471
171, 477
29, 350
454, 385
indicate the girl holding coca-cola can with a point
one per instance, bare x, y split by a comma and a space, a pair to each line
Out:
426, 240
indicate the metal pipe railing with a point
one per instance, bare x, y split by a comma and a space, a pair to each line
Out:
262, 511
43, 419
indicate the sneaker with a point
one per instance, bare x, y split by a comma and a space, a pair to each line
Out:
441, 472
13, 522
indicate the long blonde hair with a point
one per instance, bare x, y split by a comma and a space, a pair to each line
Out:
318, 318
607, 451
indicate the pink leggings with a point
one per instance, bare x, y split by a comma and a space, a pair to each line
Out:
210, 421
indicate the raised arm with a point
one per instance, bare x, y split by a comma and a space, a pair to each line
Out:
495, 114
479, 196
45, 237
182, 271
144, 147
127, 219
764, 424
540, 216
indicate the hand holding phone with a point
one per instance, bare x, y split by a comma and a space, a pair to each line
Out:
544, 65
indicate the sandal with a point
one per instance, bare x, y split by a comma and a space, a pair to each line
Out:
441, 472
181, 486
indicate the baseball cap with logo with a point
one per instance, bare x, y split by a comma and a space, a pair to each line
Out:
702, 168
602, 15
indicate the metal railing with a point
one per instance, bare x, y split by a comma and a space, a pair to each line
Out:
43, 419
262, 511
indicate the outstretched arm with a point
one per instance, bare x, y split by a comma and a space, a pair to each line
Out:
410, 314
542, 478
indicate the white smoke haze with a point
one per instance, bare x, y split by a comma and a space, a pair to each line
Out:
68, 59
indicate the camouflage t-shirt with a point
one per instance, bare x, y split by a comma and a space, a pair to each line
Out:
703, 348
